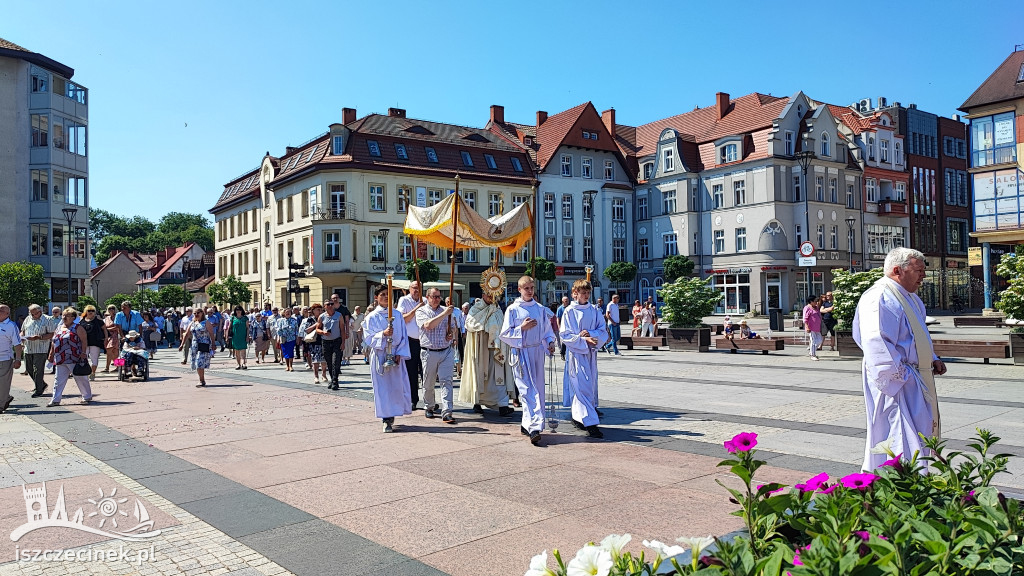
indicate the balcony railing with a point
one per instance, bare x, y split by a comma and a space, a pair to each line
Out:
893, 207
344, 211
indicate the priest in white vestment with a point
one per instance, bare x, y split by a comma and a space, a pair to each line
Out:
527, 330
391, 393
482, 381
583, 331
899, 361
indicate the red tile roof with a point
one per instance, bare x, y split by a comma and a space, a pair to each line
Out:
156, 274
12, 46
200, 284
1001, 85
745, 115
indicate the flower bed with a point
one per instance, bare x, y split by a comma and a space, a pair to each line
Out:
898, 520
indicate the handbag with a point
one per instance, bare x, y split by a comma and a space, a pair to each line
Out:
82, 368
155, 336
310, 337
203, 347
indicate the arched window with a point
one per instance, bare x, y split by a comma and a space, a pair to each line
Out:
826, 149
898, 148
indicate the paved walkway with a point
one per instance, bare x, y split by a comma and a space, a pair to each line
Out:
265, 473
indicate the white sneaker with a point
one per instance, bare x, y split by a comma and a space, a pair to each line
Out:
815, 358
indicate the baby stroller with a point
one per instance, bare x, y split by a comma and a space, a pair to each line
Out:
131, 358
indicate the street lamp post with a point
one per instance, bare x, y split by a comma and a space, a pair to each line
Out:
69, 215
588, 203
850, 223
804, 157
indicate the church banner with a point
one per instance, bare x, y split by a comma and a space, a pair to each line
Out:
434, 224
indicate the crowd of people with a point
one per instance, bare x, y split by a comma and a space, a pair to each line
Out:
421, 344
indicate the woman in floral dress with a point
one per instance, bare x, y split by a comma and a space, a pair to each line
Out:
260, 336
114, 336
69, 343
200, 338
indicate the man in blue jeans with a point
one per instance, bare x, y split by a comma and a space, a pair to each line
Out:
611, 314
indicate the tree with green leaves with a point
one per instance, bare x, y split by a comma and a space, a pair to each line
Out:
620, 272
688, 301
847, 288
22, 284
429, 272
229, 291
676, 267
117, 299
111, 232
1011, 300
176, 222
542, 269
86, 300
173, 296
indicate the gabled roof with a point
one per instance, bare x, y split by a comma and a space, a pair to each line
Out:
516, 134
11, 45
200, 284
745, 114
157, 273
106, 263
1001, 85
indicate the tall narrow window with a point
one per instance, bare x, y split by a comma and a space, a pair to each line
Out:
826, 148
789, 142
668, 159
717, 196
587, 168
618, 210
332, 246
493, 204
668, 201
641, 208
819, 188
376, 197
609, 170
566, 206
833, 192
739, 190
291, 208
671, 244
884, 150
549, 205
797, 195
849, 196
821, 236
566, 165
741, 239
719, 241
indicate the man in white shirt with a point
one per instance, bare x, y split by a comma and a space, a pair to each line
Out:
611, 314
10, 355
36, 332
407, 307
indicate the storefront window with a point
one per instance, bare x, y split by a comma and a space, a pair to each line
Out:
735, 290
816, 287
997, 198
993, 140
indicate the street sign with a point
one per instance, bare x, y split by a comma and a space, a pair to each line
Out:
808, 261
806, 248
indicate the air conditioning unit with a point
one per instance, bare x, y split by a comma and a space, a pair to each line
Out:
864, 105
882, 102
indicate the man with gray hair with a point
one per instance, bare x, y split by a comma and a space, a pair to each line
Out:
36, 332
437, 334
899, 362
10, 355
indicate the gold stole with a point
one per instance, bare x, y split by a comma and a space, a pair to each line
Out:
922, 341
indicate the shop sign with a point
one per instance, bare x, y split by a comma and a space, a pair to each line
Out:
730, 271
974, 256
571, 271
773, 268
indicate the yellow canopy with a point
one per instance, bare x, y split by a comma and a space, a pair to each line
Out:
507, 232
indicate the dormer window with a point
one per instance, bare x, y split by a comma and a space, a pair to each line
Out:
401, 152
729, 153
587, 135
668, 159
490, 162
374, 148
516, 164
648, 170
431, 154
528, 140
466, 158
338, 146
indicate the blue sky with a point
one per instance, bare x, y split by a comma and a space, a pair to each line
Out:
185, 96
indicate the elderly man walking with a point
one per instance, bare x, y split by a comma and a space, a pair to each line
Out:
437, 334
10, 355
899, 362
36, 332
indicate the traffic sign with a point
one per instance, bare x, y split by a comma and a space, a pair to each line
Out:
806, 248
808, 261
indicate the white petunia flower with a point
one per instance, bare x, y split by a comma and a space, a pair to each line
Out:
614, 544
697, 543
590, 561
884, 447
664, 550
539, 566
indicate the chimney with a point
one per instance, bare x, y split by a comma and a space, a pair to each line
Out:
289, 149
396, 112
541, 117
722, 103
608, 117
497, 114
348, 115
161, 257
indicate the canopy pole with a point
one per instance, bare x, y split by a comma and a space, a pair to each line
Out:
533, 233
455, 242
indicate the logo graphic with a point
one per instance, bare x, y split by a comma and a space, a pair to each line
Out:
104, 519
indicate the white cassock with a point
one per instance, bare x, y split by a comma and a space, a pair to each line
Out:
482, 375
895, 394
580, 381
527, 349
391, 393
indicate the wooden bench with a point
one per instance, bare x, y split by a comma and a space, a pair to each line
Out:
655, 342
971, 349
993, 321
762, 344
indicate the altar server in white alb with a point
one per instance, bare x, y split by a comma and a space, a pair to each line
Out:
583, 332
527, 330
391, 394
899, 362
